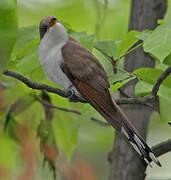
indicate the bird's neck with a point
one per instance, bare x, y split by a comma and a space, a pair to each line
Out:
55, 37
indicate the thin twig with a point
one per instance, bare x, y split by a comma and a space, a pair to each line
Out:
130, 50
56, 107
145, 101
162, 148
162, 77
100, 122
45, 103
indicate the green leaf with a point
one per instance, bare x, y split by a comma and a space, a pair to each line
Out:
161, 66
167, 60
7, 153
26, 35
161, 21
65, 126
158, 43
144, 35
120, 83
25, 53
37, 74
84, 39
8, 30
28, 63
165, 104
18, 107
108, 48
129, 40
142, 88
149, 77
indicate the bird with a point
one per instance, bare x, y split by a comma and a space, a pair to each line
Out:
74, 68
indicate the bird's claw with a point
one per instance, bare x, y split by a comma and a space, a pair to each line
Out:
71, 95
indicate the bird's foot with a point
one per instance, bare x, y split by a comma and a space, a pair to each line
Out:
72, 94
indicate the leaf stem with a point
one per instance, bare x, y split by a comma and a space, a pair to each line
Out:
132, 49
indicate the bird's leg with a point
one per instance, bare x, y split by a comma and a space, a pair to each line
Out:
72, 95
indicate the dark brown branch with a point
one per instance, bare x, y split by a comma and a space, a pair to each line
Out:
34, 85
38, 86
145, 101
134, 101
162, 148
162, 77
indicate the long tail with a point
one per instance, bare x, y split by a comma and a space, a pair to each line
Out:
103, 103
139, 145
134, 138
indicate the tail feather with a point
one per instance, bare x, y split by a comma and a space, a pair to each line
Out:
139, 145
103, 103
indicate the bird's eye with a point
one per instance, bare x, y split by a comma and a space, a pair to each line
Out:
54, 19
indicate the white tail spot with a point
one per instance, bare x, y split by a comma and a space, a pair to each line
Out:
152, 156
145, 159
125, 132
136, 148
138, 141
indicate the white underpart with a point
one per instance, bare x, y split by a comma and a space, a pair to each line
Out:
136, 148
138, 141
125, 132
50, 55
145, 159
153, 157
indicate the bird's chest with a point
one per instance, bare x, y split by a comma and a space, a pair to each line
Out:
51, 63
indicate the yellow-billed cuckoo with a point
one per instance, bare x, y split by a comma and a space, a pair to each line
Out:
73, 67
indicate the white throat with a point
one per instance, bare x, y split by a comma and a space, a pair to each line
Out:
54, 39
55, 36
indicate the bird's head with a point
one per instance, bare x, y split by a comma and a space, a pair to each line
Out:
51, 28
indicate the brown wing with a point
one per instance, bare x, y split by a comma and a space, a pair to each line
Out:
84, 66
90, 79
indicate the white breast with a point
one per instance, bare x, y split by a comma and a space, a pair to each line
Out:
51, 59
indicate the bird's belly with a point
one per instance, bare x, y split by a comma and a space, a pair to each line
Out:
55, 74
51, 64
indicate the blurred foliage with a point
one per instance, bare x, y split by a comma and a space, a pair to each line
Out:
29, 131
159, 46
8, 30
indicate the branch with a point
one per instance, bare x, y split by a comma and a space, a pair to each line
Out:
145, 101
100, 122
38, 86
162, 77
162, 148
45, 103
34, 85
135, 101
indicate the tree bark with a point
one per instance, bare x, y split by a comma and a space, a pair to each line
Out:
125, 164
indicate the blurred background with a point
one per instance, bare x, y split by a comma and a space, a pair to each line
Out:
107, 20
